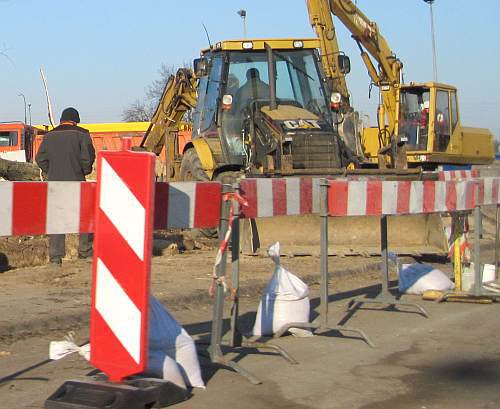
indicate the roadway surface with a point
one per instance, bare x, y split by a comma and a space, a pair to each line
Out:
450, 360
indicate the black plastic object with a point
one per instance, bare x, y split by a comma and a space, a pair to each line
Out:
141, 393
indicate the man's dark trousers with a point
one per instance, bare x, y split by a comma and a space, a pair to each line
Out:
57, 246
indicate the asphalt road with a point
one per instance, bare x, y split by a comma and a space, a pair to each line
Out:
450, 360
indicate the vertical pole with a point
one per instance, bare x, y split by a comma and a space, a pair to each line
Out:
385, 255
434, 52
323, 200
235, 336
496, 240
478, 279
216, 335
457, 259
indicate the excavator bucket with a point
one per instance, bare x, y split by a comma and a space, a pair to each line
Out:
300, 235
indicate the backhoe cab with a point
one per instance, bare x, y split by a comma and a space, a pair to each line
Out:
263, 108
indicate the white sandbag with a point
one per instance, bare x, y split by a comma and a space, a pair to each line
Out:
168, 340
285, 300
162, 366
417, 278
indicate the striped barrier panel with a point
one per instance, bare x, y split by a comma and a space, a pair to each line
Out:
30, 208
122, 263
375, 198
280, 196
445, 175
298, 196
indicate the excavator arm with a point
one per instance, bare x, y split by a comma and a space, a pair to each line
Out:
179, 97
322, 23
368, 37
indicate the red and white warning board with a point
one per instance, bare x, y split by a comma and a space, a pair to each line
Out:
122, 262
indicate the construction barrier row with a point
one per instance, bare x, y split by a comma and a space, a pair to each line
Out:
30, 208
125, 205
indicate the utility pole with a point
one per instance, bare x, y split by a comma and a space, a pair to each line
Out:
243, 15
29, 110
24, 99
433, 34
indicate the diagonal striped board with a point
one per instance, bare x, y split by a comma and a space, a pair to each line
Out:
122, 260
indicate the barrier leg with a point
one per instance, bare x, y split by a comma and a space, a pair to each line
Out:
385, 297
478, 276
496, 239
478, 294
215, 350
236, 337
322, 322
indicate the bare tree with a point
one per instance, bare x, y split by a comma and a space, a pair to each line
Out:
137, 112
143, 110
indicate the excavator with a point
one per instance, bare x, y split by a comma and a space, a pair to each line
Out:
417, 124
263, 108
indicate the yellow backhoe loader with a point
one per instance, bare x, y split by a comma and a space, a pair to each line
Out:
418, 124
262, 108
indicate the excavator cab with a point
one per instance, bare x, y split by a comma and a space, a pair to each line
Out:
429, 120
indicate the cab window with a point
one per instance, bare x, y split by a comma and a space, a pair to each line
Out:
454, 111
442, 120
212, 96
8, 138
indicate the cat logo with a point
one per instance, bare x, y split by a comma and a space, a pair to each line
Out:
302, 124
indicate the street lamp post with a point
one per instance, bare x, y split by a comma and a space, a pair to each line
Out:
24, 99
243, 15
433, 34
29, 110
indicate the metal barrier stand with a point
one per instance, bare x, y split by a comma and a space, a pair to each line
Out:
385, 296
478, 292
236, 341
215, 348
322, 321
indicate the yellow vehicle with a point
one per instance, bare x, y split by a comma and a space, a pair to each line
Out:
262, 108
418, 124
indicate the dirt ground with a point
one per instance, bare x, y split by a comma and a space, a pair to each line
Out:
450, 360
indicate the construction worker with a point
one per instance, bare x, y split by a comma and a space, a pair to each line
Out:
251, 90
67, 154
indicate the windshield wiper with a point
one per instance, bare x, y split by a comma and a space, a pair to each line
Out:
289, 61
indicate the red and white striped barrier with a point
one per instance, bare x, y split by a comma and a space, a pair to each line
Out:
373, 198
184, 205
280, 197
446, 175
122, 262
29, 208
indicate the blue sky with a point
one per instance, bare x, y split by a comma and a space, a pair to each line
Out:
100, 55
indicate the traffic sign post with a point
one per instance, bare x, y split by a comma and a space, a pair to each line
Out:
122, 262
124, 217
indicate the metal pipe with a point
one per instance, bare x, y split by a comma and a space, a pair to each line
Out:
218, 313
385, 255
24, 99
235, 338
323, 200
496, 240
272, 77
478, 279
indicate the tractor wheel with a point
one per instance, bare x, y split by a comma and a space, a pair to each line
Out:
191, 169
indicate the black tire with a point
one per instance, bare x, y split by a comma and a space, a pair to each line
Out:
191, 169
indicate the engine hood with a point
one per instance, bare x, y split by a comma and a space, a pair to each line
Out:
293, 118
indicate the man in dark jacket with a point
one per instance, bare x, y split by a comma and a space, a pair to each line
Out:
67, 154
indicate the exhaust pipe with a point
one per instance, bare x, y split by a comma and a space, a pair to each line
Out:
272, 77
